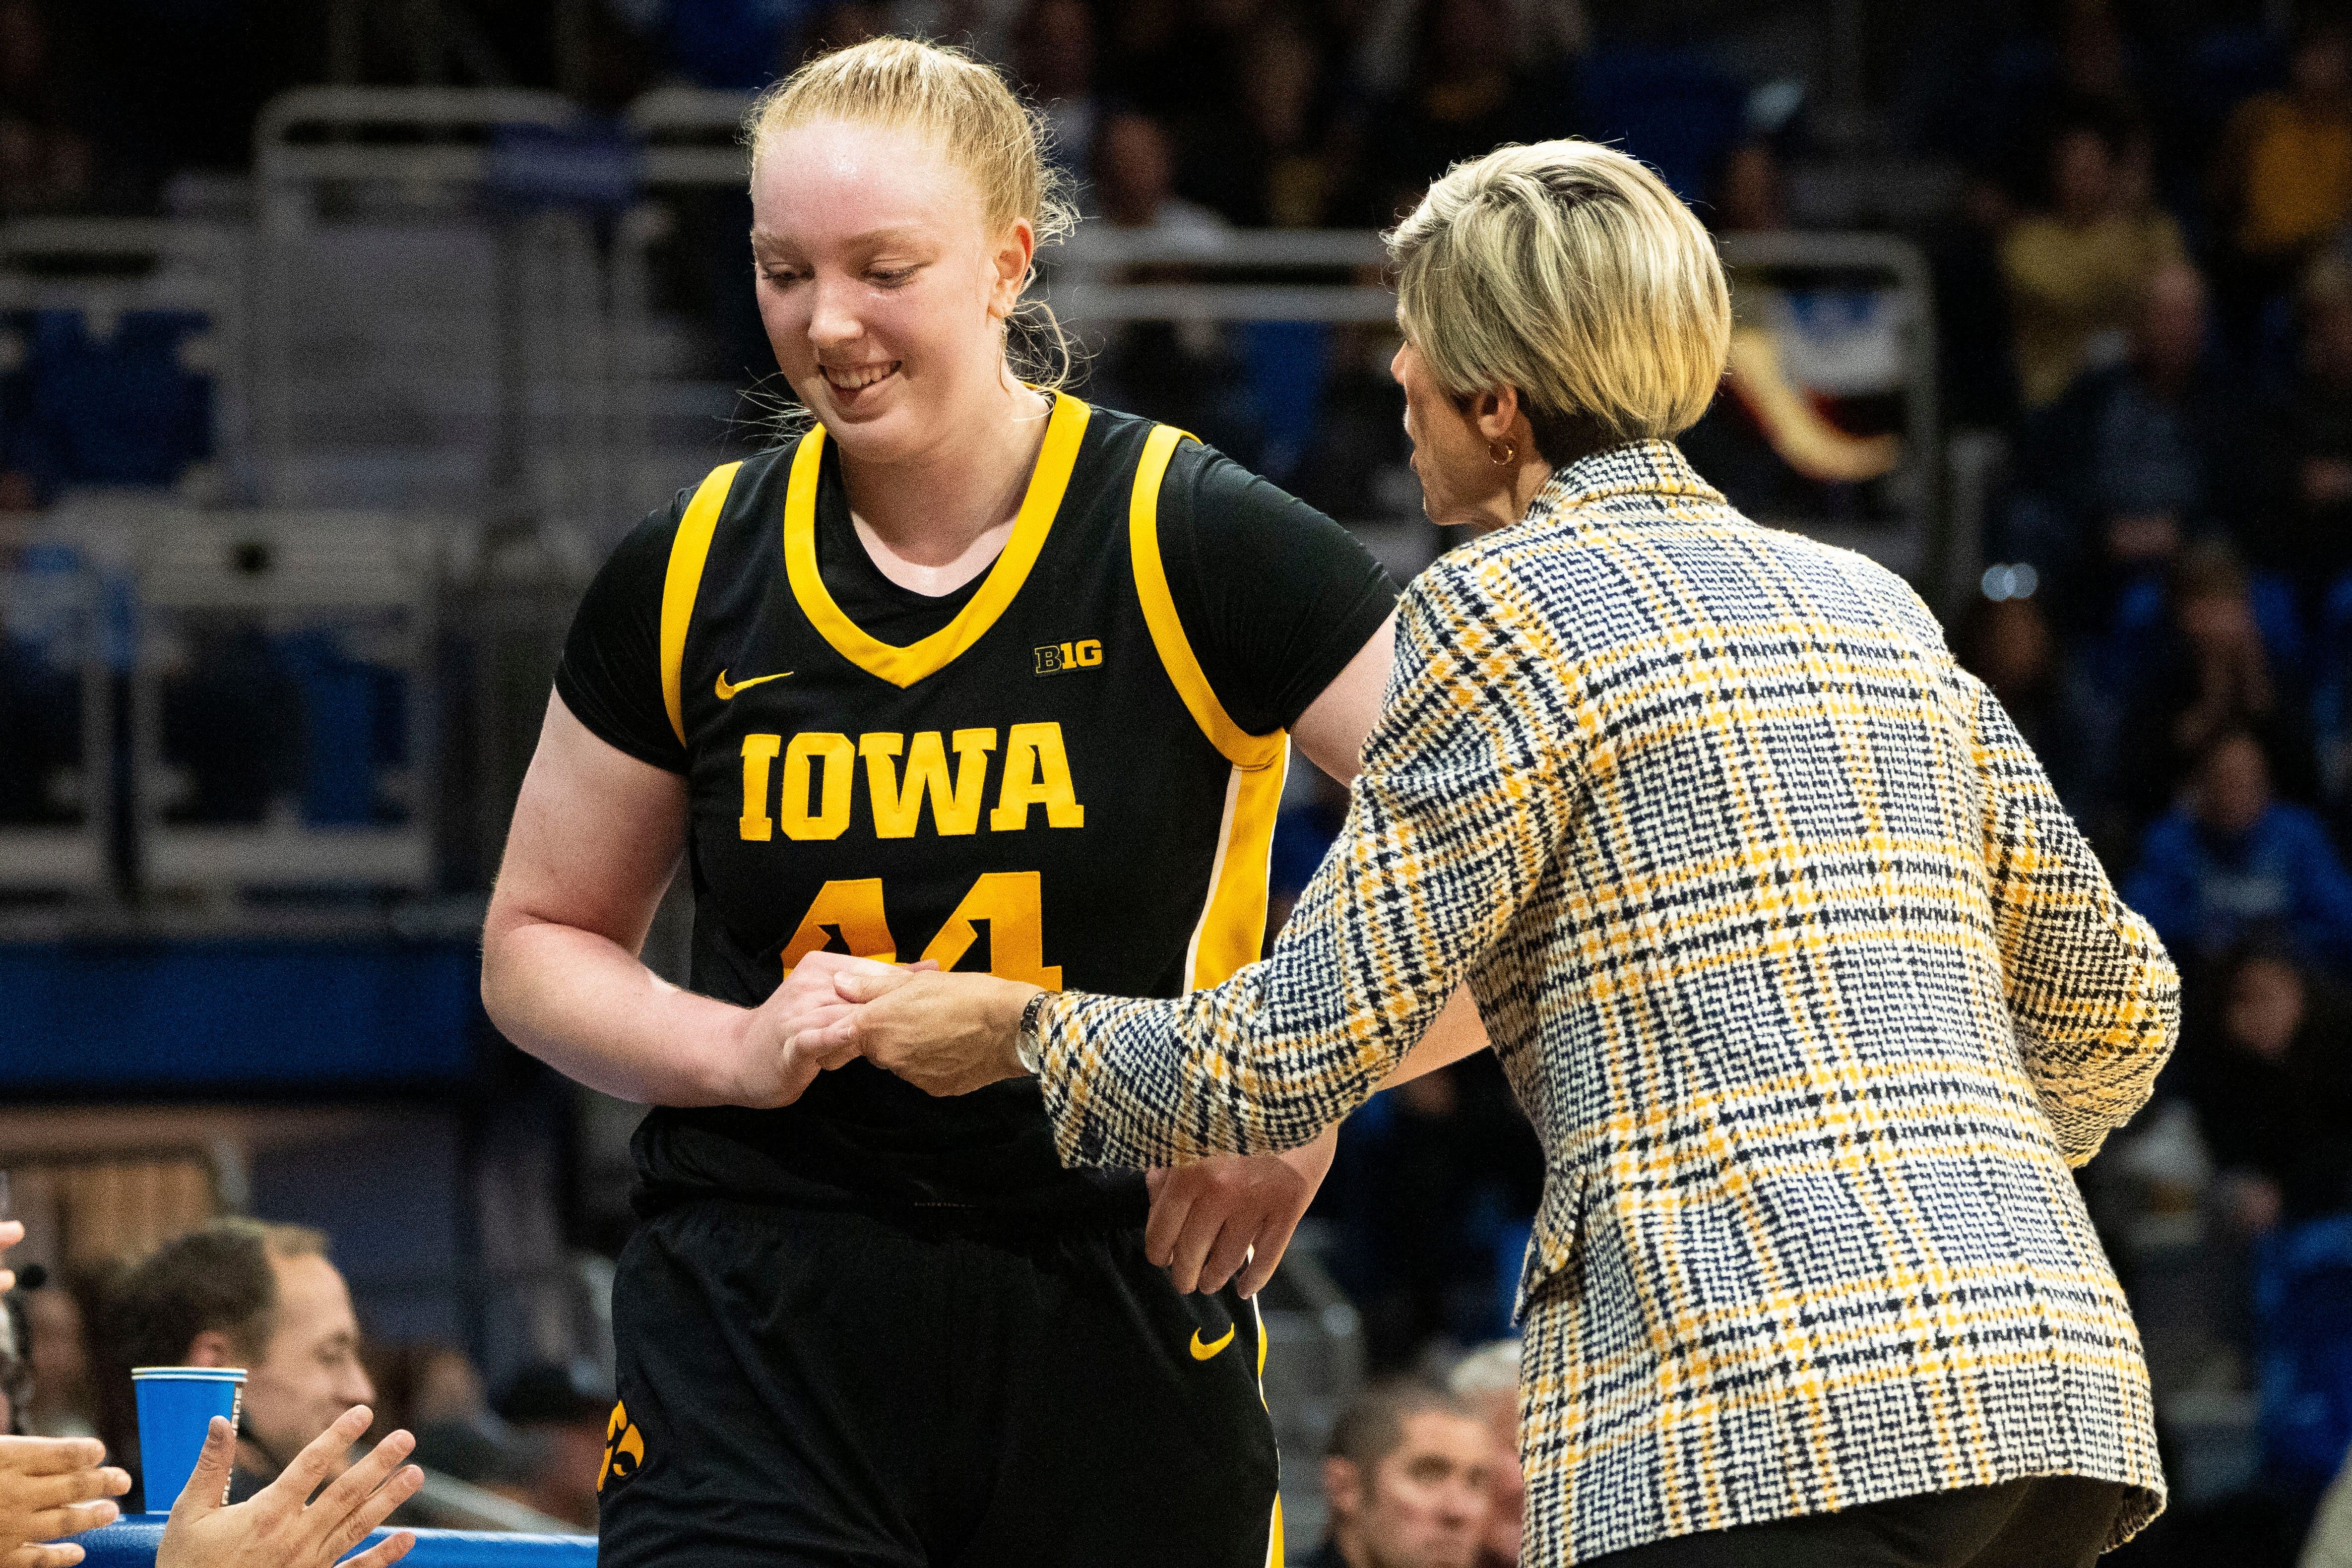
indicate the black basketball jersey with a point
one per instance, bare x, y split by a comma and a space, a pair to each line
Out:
1047, 788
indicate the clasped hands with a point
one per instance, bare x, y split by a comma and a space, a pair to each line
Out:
1226, 1218
946, 1034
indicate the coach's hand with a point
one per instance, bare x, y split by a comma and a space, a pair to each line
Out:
945, 1034
778, 1051
278, 1525
1212, 1218
51, 1487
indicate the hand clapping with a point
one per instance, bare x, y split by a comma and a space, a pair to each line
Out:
280, 1525
51, 1487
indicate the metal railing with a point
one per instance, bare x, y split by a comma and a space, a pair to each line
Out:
55, 622
133, 1542
545, 424
104, 268
565, 404
1314, 1366
274, 574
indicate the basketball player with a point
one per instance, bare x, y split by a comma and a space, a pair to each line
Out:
967, 673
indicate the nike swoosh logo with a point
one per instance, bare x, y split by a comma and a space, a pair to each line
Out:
1203, 1352
725, 691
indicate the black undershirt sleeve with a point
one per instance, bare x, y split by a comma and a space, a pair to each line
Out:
610, 675
1276, 598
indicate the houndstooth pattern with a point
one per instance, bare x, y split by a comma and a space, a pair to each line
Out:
1809, 986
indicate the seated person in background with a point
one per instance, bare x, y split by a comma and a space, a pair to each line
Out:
2270, 1078
58, 1362
422, 1384
1487, 1380
2282, 175
16, 1368
563, 1425
1470, 74
1135, 181
2310, 532
434, 1390
2114, 476
1189, 373
237, 1292
56, 1487
2233, 858
2207, 673
2074, 271
2007, 643
1407, 1476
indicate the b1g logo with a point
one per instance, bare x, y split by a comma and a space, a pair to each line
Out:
1056, 657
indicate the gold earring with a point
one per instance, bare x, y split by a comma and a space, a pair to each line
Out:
1510, 453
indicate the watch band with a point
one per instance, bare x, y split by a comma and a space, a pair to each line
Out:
1031, 1049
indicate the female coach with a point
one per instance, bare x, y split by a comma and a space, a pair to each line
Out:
1809, 987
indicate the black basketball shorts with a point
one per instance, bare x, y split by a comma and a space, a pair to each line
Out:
813, 1386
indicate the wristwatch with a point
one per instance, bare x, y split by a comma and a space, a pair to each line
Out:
1030, 1048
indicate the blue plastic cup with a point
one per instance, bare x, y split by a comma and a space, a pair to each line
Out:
176, 1405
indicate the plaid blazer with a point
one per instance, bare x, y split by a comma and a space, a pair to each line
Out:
1809, 986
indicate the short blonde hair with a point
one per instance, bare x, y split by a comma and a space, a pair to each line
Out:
1567, 271
967, 109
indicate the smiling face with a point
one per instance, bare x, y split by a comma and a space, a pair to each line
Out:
883, 285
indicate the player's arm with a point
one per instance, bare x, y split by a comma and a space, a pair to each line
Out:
1236, 1213
596, 837
1231, 1216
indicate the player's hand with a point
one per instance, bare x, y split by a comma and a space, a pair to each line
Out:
778, 1060
278, 1525
51, 1487
1234, 1213
11, 1232
945, 1034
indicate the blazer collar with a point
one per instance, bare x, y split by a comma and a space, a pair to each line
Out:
1636, 468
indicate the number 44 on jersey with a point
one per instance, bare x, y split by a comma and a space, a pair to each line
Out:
811, 798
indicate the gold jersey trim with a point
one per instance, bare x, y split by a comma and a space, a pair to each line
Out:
1232, 928
903, 667
687, 552
1239, 747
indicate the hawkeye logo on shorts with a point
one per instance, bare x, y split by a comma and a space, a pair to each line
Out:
1204, 1352
1056, 657
625, 1447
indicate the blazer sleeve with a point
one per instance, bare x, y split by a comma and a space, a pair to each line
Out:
1467, 788
2095, 1000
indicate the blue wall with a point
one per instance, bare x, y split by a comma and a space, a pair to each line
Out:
158, 1016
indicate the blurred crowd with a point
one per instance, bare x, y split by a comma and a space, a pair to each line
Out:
2143, 297
268, 1298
